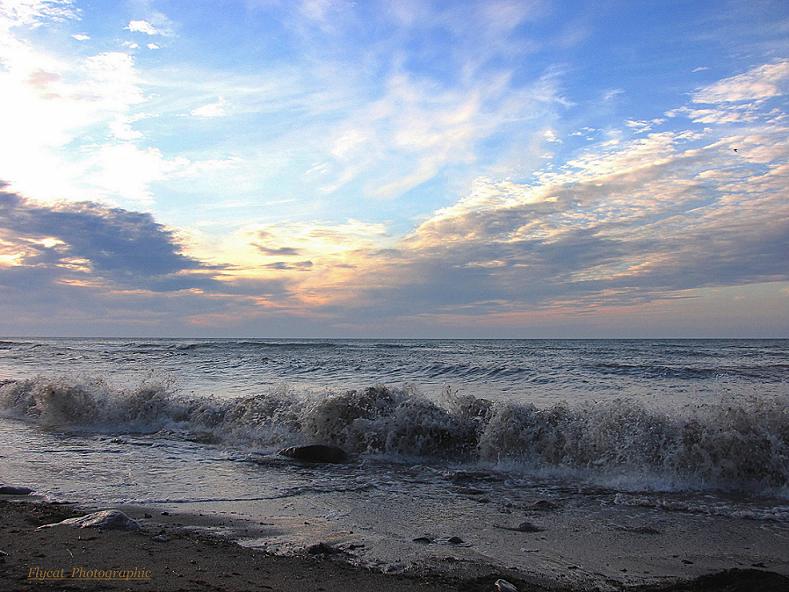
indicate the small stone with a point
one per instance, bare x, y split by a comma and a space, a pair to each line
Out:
11, 490
161, 538
504, 586
455, 540
108, 519
164, 513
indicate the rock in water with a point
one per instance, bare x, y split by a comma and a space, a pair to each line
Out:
109, 519
323, 549
317, 453
504, 586
11, 490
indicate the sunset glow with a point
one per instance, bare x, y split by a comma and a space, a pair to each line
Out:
394, 168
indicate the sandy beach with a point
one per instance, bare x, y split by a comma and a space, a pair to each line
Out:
174, 552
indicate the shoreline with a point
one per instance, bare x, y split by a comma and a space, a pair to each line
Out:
180, 552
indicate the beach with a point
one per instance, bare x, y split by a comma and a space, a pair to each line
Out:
167, 554
545, 462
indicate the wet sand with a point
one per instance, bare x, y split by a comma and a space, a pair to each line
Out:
175, 552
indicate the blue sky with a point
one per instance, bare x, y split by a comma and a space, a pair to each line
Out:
400, 168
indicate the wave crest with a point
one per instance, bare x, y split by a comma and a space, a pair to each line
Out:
736, 446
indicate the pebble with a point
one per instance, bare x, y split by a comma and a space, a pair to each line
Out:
11, 490
108, 519
504, 586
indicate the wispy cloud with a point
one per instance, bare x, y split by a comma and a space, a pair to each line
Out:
399, 163
760, 83
647, 219
215, 109
33, 13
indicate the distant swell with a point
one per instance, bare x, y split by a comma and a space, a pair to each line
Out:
736, 446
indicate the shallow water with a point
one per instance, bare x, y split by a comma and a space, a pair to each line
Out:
463, 438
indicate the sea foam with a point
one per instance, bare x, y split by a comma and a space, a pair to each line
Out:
729, 445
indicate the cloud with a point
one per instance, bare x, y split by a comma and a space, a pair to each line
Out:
442, 94
80, 36
215, 109
758, 84
52, 107
120, 246
103, 268
649, 219
418, 129
278, 252
633, 224
144, 27
289, 265
78, 118
33, 13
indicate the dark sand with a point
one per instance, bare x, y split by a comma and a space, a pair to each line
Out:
184, 559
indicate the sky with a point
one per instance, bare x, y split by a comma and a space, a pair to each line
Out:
394, 168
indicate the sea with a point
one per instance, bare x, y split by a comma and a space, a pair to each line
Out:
447, 438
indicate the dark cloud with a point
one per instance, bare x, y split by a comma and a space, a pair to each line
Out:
277, 252
124, 247
111, 271
289, 266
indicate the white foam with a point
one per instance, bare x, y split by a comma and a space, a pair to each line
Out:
736, 445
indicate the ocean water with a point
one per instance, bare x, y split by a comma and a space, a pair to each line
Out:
446, 432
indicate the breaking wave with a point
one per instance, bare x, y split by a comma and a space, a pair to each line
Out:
740, 446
